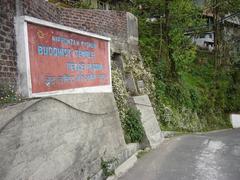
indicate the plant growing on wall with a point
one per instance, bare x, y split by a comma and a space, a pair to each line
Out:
130, 118
120, 93
135, 66
72, 4
8, 95
108, 167
132, 125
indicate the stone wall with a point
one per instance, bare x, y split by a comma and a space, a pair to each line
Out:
112, 24
8, 64
106, 23
40, 9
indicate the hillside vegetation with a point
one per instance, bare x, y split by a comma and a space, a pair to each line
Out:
195, 89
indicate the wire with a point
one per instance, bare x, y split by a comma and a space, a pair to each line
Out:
55, 99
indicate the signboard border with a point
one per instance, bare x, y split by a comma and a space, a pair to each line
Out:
24, 77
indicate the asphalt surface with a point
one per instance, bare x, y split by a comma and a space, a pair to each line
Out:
210, 156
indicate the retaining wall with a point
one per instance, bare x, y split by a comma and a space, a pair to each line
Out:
63, 137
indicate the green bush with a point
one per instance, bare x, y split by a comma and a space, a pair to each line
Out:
130, 117
8, 95
133, 128
67, 4
108, 167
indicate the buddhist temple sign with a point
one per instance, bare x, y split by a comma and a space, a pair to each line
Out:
60, 60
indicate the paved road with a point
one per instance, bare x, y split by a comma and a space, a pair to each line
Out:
210, 156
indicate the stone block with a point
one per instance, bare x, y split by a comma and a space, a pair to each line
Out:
149, 120
132, 28
123, 168
141, 86
130, 84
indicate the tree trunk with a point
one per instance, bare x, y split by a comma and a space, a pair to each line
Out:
167, 39
216, 33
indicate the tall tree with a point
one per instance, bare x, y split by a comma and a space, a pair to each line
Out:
184, 16
163, 24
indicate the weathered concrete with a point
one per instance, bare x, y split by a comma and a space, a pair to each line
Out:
123, 168
132, 33
235, 120
9, 113
60, 138
140, 86
149, 121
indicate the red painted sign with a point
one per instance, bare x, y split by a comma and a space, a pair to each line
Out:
61, 60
